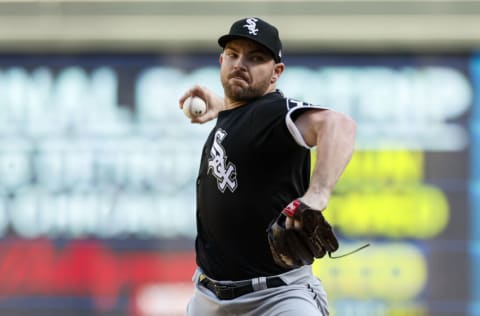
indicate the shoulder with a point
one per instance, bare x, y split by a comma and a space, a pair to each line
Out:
277, 102
271, 105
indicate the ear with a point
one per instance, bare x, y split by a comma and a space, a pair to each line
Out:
220, 59
277, 71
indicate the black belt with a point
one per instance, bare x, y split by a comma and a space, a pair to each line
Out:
230, 291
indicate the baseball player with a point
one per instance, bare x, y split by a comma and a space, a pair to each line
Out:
255, 162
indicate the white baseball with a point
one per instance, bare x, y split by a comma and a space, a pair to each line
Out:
194, 106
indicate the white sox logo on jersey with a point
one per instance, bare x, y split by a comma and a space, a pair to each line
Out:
251, 26
226, 173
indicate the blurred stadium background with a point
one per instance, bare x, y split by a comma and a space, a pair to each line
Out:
97, 164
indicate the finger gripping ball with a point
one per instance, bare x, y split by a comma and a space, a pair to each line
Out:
194, 107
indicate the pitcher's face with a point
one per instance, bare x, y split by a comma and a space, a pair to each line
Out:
248, 70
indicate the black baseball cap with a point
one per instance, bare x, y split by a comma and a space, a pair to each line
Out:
258, 31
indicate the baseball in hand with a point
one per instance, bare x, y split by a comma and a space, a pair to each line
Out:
194, 107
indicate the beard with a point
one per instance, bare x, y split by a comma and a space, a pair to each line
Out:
245, 90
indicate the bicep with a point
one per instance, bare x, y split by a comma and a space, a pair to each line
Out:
307, 123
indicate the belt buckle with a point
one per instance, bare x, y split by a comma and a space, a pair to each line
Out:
224, 291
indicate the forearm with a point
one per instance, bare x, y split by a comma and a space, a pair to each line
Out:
333, 135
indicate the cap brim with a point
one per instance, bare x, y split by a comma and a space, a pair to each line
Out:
223, 40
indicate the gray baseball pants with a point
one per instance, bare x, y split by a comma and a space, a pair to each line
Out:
303, 295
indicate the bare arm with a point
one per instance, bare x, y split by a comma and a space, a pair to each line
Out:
333, 134
215, 103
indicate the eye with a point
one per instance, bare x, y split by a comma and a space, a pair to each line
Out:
258, 58
230, 53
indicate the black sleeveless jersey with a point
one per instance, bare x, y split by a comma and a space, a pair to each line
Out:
251, 168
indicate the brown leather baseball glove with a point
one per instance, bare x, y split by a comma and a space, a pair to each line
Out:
296, 247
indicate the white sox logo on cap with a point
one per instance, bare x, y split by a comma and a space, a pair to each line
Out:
257, 30
251, 26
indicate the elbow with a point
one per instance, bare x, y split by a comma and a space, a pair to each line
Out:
349, 124
350, 127
341, 122
343, 129
328, 123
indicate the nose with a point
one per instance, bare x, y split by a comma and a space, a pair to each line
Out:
239, 63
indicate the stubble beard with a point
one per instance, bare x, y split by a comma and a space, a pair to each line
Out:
239, 93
